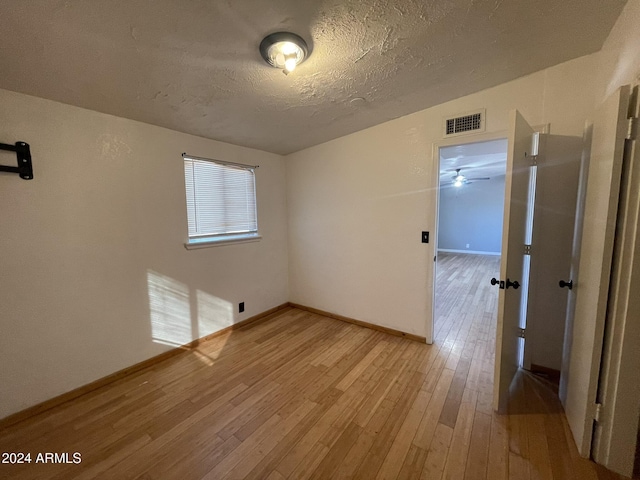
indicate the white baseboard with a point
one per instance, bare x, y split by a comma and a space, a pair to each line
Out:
472, 252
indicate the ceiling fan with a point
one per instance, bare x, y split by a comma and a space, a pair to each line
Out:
458, 179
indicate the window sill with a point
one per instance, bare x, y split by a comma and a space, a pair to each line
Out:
195, 244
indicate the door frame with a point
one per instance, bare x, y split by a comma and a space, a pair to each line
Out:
615, 434
435, 201
544, 128
596, 256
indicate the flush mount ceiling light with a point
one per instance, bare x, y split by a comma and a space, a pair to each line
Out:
284, 50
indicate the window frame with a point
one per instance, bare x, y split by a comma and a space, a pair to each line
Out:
203, 240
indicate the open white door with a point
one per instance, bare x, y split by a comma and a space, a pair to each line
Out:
557, 176
513, 284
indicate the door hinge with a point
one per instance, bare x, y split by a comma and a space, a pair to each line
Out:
527, 249
632, 128
535, 144
535, 149
521, 332
597, 412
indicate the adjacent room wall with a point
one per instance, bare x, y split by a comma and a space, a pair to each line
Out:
472, 215
357, 204
94, 276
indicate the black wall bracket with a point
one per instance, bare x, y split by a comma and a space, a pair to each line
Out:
23, 153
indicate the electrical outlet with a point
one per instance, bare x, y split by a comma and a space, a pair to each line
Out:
467, 245
241, 307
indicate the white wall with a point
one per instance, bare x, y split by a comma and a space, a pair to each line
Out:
92, 249
472, 215
357, 204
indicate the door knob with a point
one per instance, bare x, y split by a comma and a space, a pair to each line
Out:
515, 284
568, 284
501, 283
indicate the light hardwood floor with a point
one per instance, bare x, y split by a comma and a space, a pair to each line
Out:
305, 396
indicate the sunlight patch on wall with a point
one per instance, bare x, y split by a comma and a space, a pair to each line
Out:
169, 310
214, 313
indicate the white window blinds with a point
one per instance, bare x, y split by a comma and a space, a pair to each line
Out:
221, 199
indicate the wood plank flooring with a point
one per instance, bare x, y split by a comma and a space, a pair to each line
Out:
304, 396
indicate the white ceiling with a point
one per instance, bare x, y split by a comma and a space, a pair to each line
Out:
481, 159
194, 65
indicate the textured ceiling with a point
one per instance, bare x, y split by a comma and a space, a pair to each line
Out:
194, 65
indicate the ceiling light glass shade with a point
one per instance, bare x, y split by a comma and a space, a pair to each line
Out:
284, 50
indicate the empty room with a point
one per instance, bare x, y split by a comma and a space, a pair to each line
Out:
325, 240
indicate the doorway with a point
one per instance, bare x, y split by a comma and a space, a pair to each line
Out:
469, 237
538, 225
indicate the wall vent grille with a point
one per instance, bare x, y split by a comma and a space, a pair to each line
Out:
468, 123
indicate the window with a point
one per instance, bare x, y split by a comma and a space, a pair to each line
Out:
221, 202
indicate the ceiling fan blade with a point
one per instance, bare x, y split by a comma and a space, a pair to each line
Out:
479, 178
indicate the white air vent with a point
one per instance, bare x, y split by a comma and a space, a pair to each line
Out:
471, 122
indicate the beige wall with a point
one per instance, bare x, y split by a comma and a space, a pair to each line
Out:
619, 59
93, 271
357, 204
